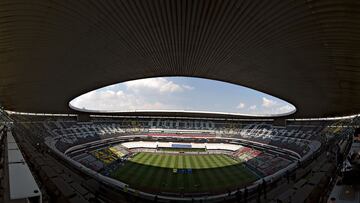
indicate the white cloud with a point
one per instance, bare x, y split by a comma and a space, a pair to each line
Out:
143, 94
253, 107
118, 101
285, 108
268, 102
161, 85
240, 106
188, 87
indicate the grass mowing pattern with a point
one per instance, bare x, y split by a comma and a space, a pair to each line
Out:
153, 172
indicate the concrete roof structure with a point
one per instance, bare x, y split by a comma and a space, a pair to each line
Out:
305, 52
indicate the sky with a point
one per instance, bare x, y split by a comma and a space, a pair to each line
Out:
181, 93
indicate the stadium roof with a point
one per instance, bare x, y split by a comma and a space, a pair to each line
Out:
305, 52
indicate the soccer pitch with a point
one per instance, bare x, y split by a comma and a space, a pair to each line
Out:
154, 172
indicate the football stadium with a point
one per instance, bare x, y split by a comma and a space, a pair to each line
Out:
173, 101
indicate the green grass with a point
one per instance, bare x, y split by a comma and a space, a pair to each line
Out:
153, 172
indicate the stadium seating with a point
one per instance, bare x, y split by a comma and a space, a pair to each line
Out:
303, 138
263, 162
296, 136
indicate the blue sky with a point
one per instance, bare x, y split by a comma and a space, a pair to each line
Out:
181, 93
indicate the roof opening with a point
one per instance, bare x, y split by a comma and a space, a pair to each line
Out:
181, 94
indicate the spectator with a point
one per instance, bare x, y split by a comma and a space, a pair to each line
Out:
258, 191
246, 195
238, 195
332, 200
156, 198
288, 176
264, 188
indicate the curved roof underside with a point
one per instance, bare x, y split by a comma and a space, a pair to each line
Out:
305, 52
